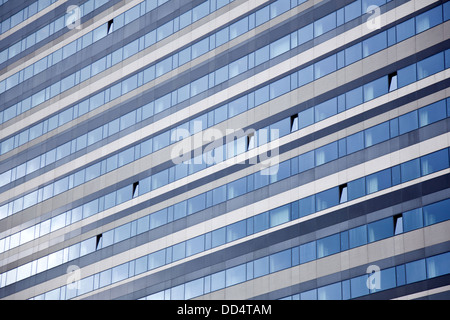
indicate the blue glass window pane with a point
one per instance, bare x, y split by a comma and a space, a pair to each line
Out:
158, 218
375, 44
357, 236
309, 295
279, 7
199, 85
306, 161
434, 162
326, 153
394, 127
376, 134
307, 206
261, 95
160, 179
179, 251
195, 245
412, 220
325, 109
218, 237
261, 222
330, 292
344, 240
410, 170
235, 275
218, 281
236, 188
401, 276
279, 87
408, 122
305, 75
196, 203
446, 11
380, 229
352, 10
327, 199
280, 46
438, 265
156, 259
429, 19
237, 67
305, 118
436, 212
193, 289
375, 88
200, 48
328, 246
355, 142
177, 293
261, 267
325, 66
378, 181
353, 54
432, 113
415, 271
358, 286
279, 215
405, 30
262, 55
120, 272
387, 280
324, 24
280, 260
122, 232
161, 141
305, 34
179, 210
236, 230
308, 252
406, 75
392, 38
222, 36
238, 28
282, 127
429, 66
219, 195
366, 4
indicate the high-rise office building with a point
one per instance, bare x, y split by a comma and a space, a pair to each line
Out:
224, 149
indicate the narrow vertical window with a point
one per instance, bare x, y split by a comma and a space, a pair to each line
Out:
98, 239
251, 141
135, 189
392, 78
294, 122
110, 26
343, 193
398, 224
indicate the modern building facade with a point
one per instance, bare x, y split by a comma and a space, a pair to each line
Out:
224, 149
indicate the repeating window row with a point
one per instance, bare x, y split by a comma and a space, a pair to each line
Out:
23, 14
121, 54
317, 113
168, 64
317, 202
99, 66
358, 141
353, 98
382, 132
295, 256
93, 36
288, 258
40, 34
389, 278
